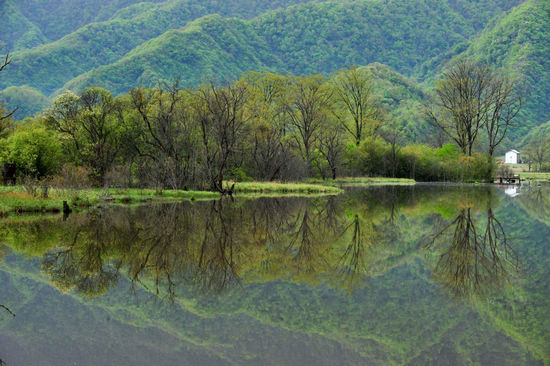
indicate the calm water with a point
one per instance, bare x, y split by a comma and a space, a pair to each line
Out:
423, 275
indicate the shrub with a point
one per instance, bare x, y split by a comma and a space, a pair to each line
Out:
71, 177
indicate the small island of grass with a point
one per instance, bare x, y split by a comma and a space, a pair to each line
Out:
21, 199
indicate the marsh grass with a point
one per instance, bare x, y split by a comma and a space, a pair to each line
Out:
536, 176
18, 200
362, 181
279, 188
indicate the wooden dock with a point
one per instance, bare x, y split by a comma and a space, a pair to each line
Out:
508, 179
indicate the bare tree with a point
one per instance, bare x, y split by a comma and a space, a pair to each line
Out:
505, 104
332, 149
164, 135
359, 110
222, 123
266, 107
464, 101
270, 153
5, 116
393, 135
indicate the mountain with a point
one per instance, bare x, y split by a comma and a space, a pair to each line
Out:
49, 66
402, 100
316, 37
306, 39
126, 43
519, 43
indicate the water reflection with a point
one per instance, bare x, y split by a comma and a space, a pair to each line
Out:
476, 255
208, 246
369, 265
214, 246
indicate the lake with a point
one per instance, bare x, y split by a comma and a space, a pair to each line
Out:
381, 275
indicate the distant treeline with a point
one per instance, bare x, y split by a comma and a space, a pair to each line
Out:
262, 127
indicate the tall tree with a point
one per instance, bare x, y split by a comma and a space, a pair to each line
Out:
267, 94
358, 110
219, 111
90, 122
331, 147
505, 104
538, 149
162, 132
307, 110
464, 101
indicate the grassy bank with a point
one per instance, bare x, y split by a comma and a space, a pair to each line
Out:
18, 200
524, 173
539, 177
271, 188
362, 181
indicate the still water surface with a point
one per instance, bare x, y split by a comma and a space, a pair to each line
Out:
399, 275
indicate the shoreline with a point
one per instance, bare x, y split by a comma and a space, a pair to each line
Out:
16, 200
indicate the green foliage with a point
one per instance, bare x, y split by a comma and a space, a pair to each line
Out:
123, 44
36, 151
375, 157
93, 37
16, 31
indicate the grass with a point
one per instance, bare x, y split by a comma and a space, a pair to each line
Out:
524, 173
18, 200
271, 188
362, 181
135, 195
537, 176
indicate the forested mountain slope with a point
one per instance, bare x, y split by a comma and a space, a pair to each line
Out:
520, 43
49, 20
310, 38
319, 37
124, 44
49, 66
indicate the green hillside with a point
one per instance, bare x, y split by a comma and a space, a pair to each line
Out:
210, 48
27, 100
50, 66
310, 38
402, 100
125, 44
16, 31
520, 43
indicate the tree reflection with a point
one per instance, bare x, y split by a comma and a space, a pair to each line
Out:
81, 263
475, 257
353, 262
218, 245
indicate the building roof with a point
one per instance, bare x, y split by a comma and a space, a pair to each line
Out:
513, 151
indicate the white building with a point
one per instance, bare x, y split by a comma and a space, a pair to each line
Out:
513, 157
